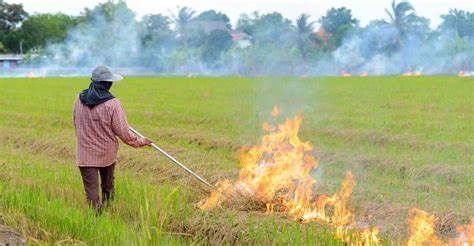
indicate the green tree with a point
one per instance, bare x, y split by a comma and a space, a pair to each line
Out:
181, 19
155, 27
107, 33
217, 42
401, 16
409, 26
245, 22
212, 15
458, 21
267, 28
157, 38
109, 10
11, 16
305, 30
39, 29
11, 41
336, 18
380, 38
419, 27
338, 22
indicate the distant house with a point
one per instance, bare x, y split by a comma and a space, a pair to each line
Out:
323, 34
242, 39
9, 61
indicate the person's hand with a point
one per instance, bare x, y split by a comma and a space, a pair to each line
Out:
148, 142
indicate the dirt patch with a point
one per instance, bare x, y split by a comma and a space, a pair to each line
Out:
8, 236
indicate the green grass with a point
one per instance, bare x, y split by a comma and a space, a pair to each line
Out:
408, 141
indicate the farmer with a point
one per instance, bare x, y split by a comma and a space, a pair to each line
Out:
99, 118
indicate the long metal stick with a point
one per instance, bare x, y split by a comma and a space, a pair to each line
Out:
174, 160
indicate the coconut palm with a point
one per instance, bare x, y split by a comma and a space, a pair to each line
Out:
401, 15
304, 29
181, 19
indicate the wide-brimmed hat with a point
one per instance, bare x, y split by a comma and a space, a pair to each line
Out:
104, 73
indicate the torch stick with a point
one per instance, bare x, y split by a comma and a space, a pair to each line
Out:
174, 160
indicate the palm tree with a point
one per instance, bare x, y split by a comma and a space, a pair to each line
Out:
181, 19
304, 29
401, 15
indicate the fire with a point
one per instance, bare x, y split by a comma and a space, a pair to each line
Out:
465, 235
422, 231
410, 74
280, 160
275, 112
422, 228
464, 74
302, 207
345, 74
277, 172
216, 196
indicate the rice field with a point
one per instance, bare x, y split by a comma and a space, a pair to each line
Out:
409, 142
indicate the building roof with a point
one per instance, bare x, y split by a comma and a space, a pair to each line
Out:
239, 35
323, 34
11, 57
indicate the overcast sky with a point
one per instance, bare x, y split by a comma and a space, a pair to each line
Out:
364, 10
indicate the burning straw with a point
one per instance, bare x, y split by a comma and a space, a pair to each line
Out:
277, 172
422, 231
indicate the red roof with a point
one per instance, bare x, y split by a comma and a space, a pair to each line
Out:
237, 36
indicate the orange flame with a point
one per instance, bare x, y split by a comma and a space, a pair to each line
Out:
465, 235
422, 231
278, 172
464, 74
409, 74
345, 74
275, 112
422, 228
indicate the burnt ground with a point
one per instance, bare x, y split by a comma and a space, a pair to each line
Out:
8, 236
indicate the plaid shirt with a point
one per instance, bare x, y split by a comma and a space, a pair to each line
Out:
96, 131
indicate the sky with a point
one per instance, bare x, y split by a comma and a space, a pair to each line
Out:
364, 10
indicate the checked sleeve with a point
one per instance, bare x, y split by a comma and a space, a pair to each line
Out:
121, 128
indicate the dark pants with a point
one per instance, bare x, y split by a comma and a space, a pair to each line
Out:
91, 184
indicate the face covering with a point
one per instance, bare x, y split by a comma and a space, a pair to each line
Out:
97, 93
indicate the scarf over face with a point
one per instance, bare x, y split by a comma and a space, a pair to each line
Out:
97, 93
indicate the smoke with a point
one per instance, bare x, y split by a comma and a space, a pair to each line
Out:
116, 39
368, 50
102, 38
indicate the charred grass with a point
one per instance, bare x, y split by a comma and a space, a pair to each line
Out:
409, 142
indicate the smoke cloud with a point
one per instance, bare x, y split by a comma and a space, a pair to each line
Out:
437, 54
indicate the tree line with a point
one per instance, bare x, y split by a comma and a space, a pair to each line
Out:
174, 37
